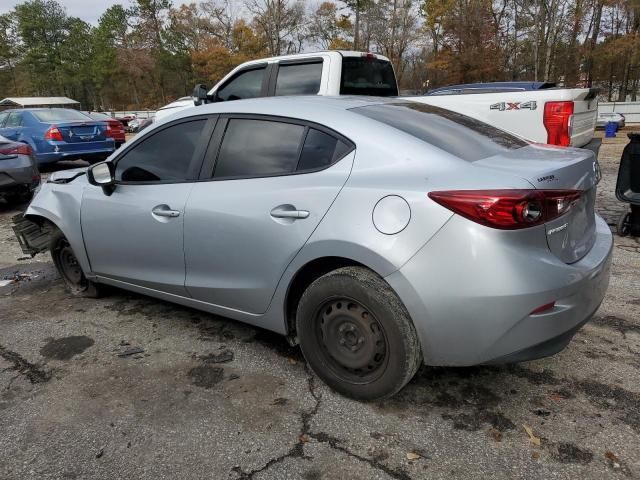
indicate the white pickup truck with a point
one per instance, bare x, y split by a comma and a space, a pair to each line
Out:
558, 116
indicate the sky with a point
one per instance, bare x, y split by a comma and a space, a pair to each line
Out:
87, 10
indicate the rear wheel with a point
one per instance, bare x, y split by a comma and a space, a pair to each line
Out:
357, 335
69, 269
623, 224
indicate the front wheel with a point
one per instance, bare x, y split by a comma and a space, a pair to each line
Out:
69, 269
357, 335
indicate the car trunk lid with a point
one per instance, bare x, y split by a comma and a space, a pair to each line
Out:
571, 235
79, 132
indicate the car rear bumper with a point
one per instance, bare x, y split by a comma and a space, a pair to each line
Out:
18, 175
470, 293
57, 151
593, 145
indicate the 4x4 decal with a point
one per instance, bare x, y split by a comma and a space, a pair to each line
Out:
502, 106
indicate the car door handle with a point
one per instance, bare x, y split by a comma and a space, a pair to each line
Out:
280, 212
165, 211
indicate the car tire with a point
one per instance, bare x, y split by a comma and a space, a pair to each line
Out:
357, 335
622, 228
20, 198
69, 269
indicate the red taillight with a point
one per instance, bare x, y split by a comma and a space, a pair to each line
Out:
507, 209
53, 134
109, 131
368, 55
557, 117
16, 149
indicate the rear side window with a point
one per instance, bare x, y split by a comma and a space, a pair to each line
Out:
60, 115
247, 84
14, 120
299, 79
367, 76
261, 148
166, 156
457, 134
318, 150
253, 148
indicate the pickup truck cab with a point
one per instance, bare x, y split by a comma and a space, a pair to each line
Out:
536, 111
321, 73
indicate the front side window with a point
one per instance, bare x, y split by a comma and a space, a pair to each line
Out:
3, 117
299, 79
254, 148
166, 156
247, 84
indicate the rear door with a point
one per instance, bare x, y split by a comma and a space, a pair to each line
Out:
135, 235
269, 182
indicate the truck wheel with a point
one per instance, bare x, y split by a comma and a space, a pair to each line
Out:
623, 224
69, 269
357, 335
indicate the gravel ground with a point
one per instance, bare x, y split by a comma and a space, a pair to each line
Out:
207, 397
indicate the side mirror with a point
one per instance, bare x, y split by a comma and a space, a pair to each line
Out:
102, 175
200, 95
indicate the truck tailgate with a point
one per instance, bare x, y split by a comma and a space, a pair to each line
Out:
585, 112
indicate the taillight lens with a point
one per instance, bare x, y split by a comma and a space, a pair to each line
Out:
53, 134
557, 119
16, 149
508, 209
109, 131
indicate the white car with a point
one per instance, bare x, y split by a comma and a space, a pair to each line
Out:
604, 118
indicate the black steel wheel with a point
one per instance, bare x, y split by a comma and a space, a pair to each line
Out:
623, 226
68, 267
354, 341
356, 334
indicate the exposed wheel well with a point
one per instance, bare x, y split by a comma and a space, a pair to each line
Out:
305, 277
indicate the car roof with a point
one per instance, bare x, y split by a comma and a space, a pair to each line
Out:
293, 106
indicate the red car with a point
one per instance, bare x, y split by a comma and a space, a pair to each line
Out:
116, 128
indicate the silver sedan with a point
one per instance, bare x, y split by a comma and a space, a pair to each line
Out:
378, 234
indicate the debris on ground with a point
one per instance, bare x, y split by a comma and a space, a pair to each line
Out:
535, 440
222, 357
131, 351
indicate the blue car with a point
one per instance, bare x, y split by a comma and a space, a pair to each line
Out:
58, 134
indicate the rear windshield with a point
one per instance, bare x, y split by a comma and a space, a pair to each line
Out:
60, 115
368, 76
99, 116
457, 134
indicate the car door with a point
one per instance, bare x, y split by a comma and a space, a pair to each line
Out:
135, 234
270, 182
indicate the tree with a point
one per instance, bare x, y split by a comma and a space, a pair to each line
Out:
280, 22
329, 29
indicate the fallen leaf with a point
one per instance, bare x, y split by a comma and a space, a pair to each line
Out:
304, 438
495, 434
535, 440
535, 455
613, 458
292, 361
411, 456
